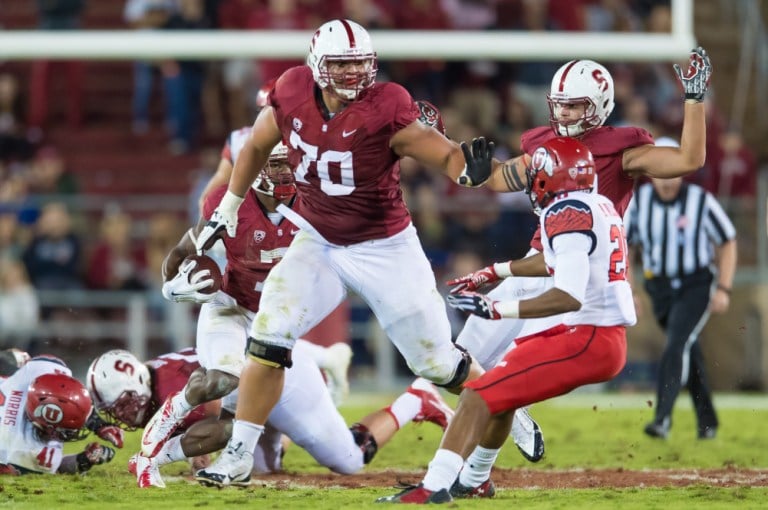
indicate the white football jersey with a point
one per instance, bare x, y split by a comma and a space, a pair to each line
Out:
607, 298
19, 444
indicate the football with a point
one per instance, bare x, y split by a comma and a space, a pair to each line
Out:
205, 262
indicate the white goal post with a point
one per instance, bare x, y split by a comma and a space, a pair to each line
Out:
500, 45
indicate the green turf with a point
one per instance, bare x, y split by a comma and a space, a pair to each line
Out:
583, 431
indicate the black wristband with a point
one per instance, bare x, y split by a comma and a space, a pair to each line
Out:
725, 289
83, 464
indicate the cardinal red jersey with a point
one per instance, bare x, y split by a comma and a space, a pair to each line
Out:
347, 176
607, 145
255, 249
170, 373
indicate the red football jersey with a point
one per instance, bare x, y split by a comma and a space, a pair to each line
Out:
607, 145
255, 249
170, 373
347, 176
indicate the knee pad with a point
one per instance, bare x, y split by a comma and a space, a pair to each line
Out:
364, 439
462, 370
267, 354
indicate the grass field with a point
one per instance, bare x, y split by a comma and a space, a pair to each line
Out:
597, 458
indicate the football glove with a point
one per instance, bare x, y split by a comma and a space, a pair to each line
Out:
98, 453
93, 455
224, 218
185, 286
112, 434
476, 304
104, 430
695, 79
474, 280
479, 161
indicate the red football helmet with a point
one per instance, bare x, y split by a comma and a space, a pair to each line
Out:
342, 40
559, 165
58, 406
430, 115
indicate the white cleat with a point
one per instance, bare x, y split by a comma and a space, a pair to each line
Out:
527, 435
339, 356
148, 473
232, 467
161, 427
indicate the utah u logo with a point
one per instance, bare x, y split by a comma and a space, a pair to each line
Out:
50, 413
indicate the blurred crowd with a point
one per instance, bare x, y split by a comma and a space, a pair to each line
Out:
46, 243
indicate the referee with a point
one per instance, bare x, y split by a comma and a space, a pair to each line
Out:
689, 259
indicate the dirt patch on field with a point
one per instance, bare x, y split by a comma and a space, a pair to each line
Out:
536, 479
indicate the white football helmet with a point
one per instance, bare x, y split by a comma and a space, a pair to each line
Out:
276, 179
342, 40
120, 387
581, 82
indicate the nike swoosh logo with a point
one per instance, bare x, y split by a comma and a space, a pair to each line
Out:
345, 134
294, 232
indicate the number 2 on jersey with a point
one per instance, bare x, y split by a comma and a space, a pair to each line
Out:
618, 261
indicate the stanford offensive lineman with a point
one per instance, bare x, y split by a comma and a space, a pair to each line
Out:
345, 134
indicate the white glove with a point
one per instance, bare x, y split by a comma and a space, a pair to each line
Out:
185, 288
224, 217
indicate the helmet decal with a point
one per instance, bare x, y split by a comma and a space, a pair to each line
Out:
559, 165
50, 413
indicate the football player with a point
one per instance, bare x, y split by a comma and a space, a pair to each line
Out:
42, 407
585, 250
581, 98
306, 413
345, 135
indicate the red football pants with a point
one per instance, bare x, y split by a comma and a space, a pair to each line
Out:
552, 363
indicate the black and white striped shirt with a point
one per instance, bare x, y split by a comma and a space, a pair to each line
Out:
677, 237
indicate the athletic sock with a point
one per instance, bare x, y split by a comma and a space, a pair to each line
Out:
247, 433
171, 451
181, 403
443, 470
477, 467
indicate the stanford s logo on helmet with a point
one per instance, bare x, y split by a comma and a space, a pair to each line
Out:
58, 407
559, 165
342, 41
580, 82
120, 386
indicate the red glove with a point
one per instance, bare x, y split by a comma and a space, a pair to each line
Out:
112, 434
474, 281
